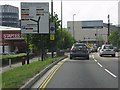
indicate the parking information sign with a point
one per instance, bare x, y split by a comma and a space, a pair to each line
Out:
34, 11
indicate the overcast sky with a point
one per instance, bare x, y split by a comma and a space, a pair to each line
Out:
84, 10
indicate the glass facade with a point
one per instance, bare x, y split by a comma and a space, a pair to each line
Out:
9, 16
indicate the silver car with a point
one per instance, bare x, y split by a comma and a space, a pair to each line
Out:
107, 49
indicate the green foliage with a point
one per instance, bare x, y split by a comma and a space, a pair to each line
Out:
0, 81
56, 20
100, 38
64, 39
114, 38
16, 77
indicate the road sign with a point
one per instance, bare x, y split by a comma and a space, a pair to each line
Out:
52, 28
52, 37
34, 11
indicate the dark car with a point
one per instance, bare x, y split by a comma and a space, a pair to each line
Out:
79, 50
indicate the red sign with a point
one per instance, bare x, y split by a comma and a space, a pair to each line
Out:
11, 36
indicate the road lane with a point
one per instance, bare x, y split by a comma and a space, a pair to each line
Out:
82, 74
109, 63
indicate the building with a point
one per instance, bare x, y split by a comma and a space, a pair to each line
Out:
88, 31
9, 16
11, 40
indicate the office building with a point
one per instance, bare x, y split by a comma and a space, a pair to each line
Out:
9, 16
92, 31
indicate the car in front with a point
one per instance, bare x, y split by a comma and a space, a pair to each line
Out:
107, 49
79, 50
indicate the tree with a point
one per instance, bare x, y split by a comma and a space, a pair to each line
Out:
114, 38
100, 40
64, 39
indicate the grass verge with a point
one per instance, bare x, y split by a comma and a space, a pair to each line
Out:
16, 77
0, 81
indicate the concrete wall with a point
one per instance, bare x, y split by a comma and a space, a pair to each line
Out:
86, 33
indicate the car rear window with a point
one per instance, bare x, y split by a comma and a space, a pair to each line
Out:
81, 46
108, 47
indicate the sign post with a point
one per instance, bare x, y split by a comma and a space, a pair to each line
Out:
52, 35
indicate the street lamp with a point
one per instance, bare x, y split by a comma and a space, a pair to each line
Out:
73, 26
61, 22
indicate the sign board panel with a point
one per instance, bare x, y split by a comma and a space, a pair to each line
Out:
34, 11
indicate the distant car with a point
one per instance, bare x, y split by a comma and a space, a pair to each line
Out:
98, 49
116, 49
107, 49
79, 50
93, 49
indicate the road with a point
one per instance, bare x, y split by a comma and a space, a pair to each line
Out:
98, 72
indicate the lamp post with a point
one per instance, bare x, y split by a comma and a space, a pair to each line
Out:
61, 22
73, 26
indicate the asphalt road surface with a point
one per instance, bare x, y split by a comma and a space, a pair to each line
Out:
98, 72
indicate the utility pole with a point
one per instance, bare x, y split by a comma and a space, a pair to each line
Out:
52, 9
52, 42
108, 26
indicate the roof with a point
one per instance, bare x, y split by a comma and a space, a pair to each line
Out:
4, 28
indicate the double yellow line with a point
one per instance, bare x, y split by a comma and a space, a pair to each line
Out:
49, 77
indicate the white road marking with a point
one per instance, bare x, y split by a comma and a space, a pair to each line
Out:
99, 64
103, 67
93, 56
95, 60
110, 73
